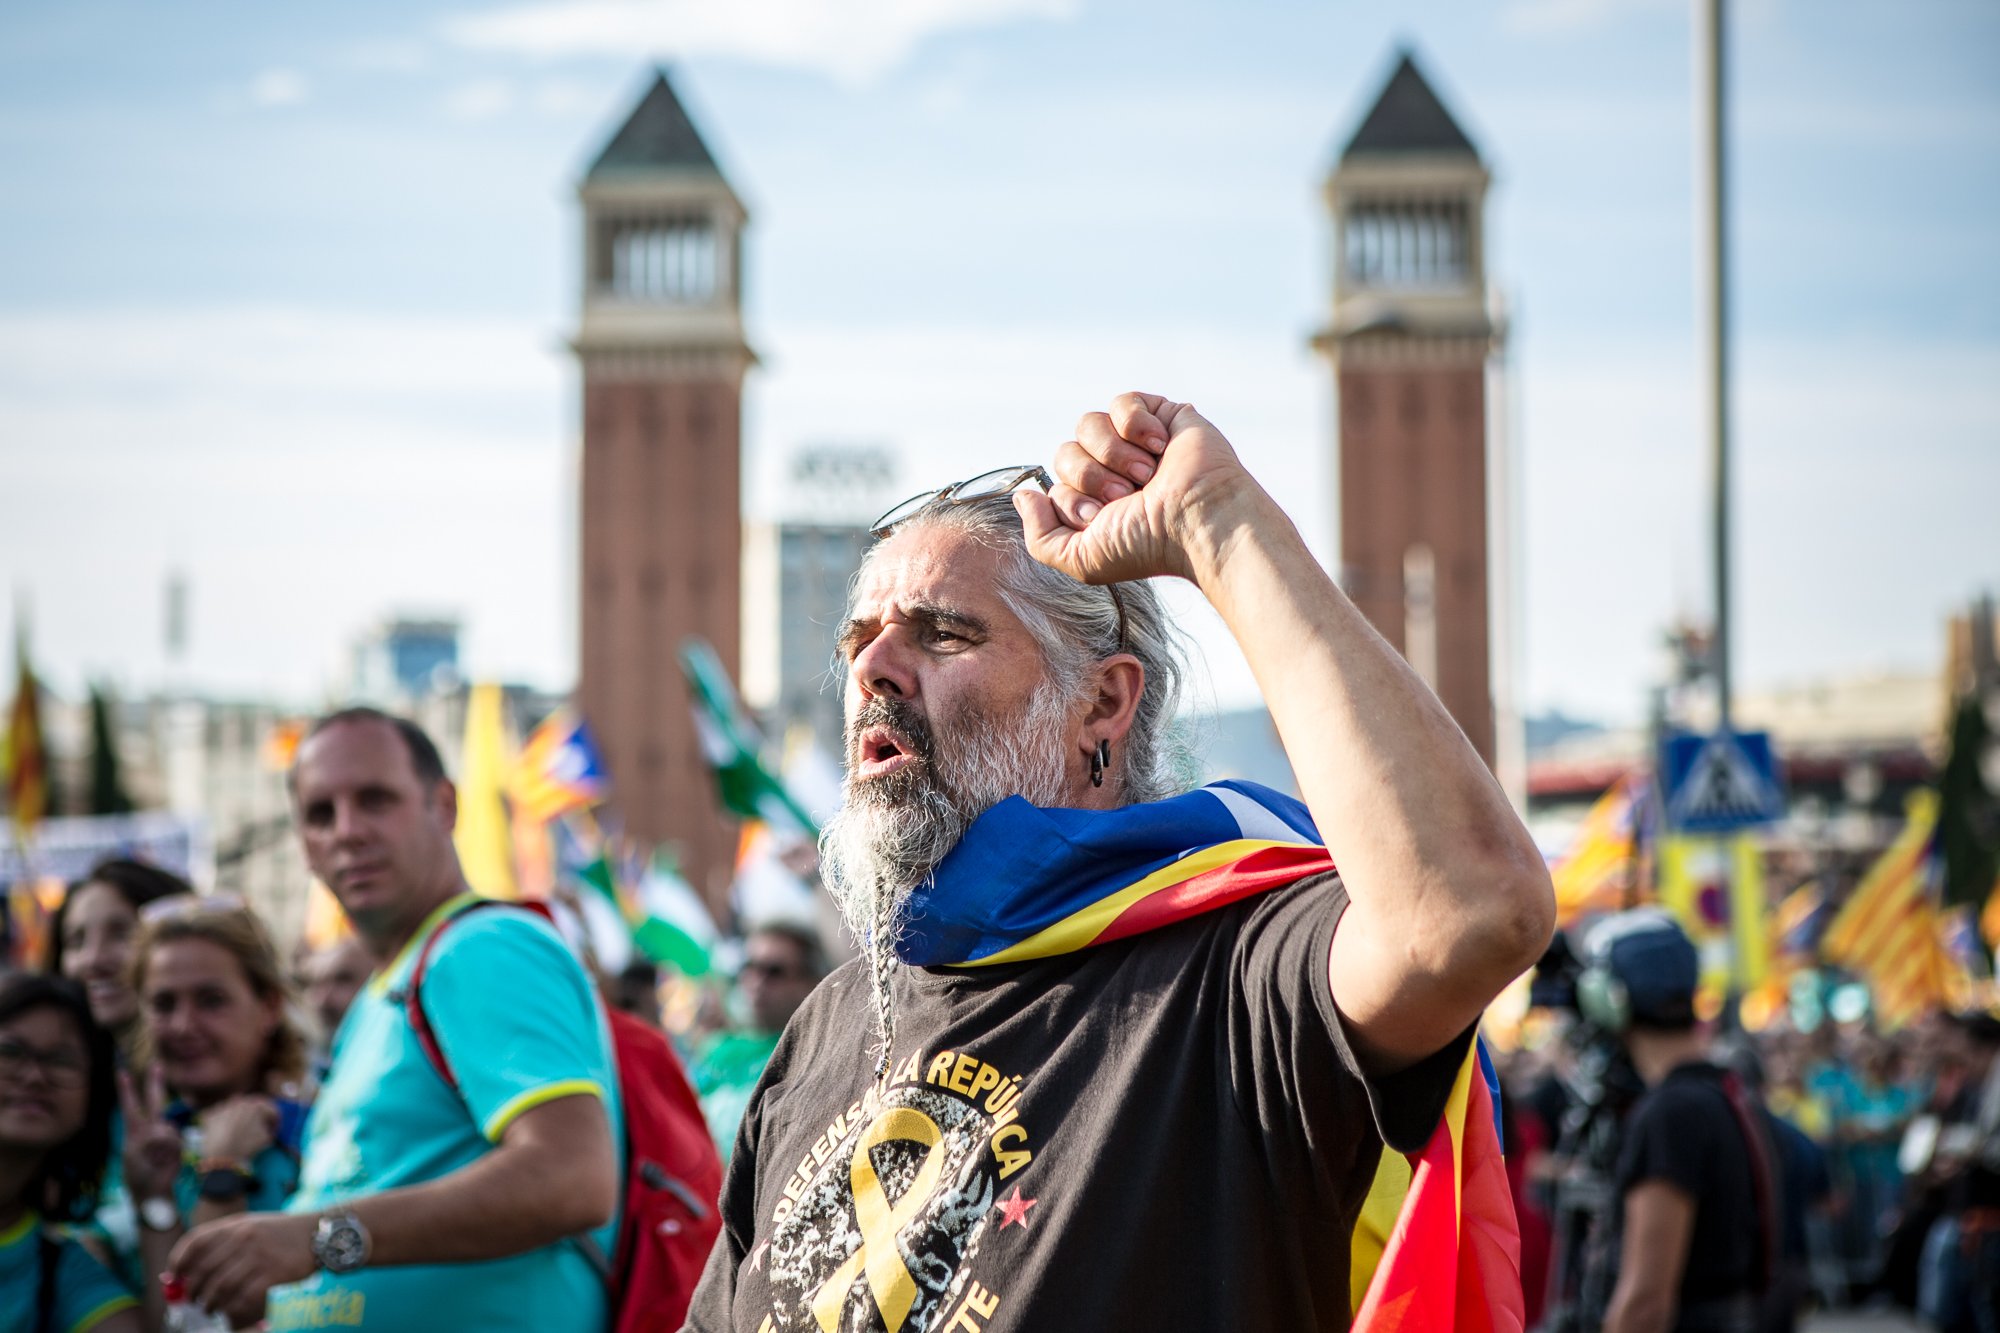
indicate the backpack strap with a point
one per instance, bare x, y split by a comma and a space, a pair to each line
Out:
411, 996
1763, 1179
411, 993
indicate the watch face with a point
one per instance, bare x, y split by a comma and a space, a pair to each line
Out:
159, 1214
342, 1246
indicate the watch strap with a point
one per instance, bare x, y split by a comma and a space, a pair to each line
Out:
223, 1184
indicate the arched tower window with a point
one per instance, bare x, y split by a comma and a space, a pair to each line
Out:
668, 261
1407, 245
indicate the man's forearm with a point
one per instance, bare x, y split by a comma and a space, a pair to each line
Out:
1633, 1312
518, 1197
485, 1211
1429, 848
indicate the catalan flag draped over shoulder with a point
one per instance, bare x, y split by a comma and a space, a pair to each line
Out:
1438, 1246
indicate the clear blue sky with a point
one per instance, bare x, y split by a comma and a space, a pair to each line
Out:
285, 289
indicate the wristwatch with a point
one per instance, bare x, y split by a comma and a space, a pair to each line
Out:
221, 1184
159, 1214
341, 1243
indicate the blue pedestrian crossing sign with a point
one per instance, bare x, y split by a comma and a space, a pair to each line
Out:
1722, 782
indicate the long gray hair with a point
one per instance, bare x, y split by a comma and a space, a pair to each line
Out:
1076, 627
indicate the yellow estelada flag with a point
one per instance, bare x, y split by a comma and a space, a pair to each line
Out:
1595, 875
485, 837
1889, 931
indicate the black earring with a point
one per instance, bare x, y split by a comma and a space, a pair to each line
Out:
1098, 762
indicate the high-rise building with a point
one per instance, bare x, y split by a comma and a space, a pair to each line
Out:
796, 577
1410, 340
663, 357
405, 658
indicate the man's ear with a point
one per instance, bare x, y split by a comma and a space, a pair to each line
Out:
1121, 683
445, 797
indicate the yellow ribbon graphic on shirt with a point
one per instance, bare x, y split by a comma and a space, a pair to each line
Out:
889, 1278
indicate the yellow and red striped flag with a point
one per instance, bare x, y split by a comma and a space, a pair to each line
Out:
1450, 1254
1596, 874
24, 763
559, 770
1891, 929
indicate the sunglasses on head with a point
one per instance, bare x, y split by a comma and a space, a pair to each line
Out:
180, 905
986, 486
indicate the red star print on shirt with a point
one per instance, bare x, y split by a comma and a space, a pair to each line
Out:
1014, 1209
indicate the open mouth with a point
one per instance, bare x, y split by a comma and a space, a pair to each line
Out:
881, 752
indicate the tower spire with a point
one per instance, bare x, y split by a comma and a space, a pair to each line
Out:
1408, 117
657, 136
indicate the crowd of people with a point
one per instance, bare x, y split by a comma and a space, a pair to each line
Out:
158, 1078
1114, 1053
1882, 1152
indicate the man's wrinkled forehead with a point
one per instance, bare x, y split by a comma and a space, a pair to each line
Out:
931, 574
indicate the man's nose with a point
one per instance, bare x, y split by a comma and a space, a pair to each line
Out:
885, 668
346, 820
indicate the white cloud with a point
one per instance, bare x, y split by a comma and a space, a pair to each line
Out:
309, 470
564, 97
1574, 15
278, 87
850, 41
399, 56
482, 99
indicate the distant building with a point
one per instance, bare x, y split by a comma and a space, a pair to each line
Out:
214, 763
1240, 743
406, 658
1851, 745
662, 352
796, 577
1410, 341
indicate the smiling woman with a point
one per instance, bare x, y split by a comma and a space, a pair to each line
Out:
93, 936
55, 1136
214, 1112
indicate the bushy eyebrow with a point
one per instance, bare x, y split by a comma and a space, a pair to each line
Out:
931, 615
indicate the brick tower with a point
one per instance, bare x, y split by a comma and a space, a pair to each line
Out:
1410, 340
663, 357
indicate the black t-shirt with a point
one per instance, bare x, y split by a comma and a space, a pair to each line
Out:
1168, 1132
1685, 1132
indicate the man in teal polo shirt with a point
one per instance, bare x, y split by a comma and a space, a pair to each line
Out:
421, 1205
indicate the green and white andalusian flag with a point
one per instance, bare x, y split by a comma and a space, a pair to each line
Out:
730, 741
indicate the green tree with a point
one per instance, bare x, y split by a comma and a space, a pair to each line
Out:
107, 785
1968, 814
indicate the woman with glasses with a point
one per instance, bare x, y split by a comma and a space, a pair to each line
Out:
212, 1124
93, 935
56, 1101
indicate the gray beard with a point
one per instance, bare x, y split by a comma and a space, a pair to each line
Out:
891, 832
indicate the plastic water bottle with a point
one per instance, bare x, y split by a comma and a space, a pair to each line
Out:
183, 1315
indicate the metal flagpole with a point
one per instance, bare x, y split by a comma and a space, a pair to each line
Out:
1714, 283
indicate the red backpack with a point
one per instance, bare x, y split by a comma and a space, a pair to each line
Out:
668, 1218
